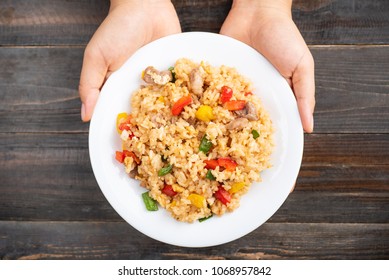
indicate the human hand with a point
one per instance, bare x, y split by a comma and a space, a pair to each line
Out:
129, 25
268, 27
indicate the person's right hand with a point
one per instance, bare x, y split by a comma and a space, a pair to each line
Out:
129, 25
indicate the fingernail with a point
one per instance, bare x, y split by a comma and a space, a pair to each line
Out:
82, 111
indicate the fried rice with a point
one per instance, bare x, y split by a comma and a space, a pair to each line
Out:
196, 138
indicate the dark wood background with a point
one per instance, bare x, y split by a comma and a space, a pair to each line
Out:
52, 208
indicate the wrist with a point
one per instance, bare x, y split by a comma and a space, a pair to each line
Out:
279, 6
115, 3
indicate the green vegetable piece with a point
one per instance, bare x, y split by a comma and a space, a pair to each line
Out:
165, 170
171, 69
205, 145
255, 133
151, 204
210, 176
205, 218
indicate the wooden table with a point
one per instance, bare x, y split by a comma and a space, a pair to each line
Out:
52, 208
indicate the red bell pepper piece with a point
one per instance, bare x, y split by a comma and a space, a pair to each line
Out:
226, 94
227, 163
168, 190
222, 195
124, 126
211, 164
131, 154
180, 104
235, 105
120, 156
123, 121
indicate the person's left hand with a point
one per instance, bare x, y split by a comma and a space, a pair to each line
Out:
268, 27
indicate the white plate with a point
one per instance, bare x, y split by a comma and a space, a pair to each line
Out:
263, 199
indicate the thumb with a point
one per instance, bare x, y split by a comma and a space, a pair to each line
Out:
303, 83
93, 74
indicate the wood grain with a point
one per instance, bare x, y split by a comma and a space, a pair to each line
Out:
328, 22
59, 22
40, 84
52, 208
39, 171
90, 240
50, 22
351, 90
213, 14
346, 149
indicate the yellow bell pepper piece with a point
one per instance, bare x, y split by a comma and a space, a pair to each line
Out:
173, 204
197, 200
161, 99
237, 187
205, 113
119, 119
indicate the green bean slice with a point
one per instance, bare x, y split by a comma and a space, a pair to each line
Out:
151, 204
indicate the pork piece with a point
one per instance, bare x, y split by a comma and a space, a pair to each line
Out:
133, 173
249, 112
154, 77
196, 82
237, 124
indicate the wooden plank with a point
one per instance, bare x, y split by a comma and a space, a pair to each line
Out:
346, 149
334, 207
342, 22
351, 89
41, 83
207, 16
83, 240
344, 163
58, 22
41, 170
50, 22
343, 178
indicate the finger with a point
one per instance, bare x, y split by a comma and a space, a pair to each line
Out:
289, 81
294, 185
93, 75
303, 81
